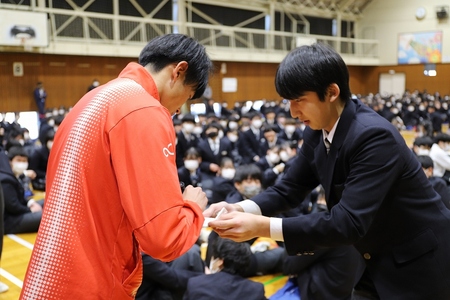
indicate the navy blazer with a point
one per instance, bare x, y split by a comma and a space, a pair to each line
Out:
223, 286
379, 200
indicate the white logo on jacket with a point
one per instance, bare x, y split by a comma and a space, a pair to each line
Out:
166, 150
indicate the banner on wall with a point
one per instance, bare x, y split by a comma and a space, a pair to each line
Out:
22, 27
420, 47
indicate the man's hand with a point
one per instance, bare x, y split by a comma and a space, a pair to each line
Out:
197, 195
241, 227
214, 209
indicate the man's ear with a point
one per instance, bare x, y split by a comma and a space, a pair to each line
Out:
333, 92
180, 69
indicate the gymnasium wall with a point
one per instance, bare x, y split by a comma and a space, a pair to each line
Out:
66, 79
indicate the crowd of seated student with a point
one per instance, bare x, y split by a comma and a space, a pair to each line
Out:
23, 170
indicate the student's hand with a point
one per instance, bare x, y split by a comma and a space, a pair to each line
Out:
240, 227
30, 173
214, 209
35, 207
214, 168
197, 195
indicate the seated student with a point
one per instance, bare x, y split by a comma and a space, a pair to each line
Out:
168, 280
440, 156
223, 183
331, 273
271, 166
438, 183
191, 173
213, 148
422, 145
21, 214
39, 160
291, 132
228, 263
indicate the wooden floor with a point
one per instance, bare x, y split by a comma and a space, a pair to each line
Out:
17, 251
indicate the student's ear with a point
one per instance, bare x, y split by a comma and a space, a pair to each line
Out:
333, 92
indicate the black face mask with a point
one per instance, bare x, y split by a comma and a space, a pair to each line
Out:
212, 134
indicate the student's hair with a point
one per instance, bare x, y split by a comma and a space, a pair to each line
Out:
249, 171
174, 48
225, 160
270, 127
236, 256
425, 161
16, 151
192, 151
312, 69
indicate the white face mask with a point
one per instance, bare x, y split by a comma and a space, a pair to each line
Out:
423, 152
188, 127
198, 130
232, 137
274, 158
191, 164
257, 124
19, 167
290, 129
213, 265
220, 134
233, 125
228, 173
284, 156
49, 145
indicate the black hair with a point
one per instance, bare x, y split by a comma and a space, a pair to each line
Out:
425, 161
16, 151
249, 171
192, 151
312, 69
441, 137
423, 141
270, 127
174, 48
236, 256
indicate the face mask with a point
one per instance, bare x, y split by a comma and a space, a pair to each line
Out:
274, 158
212, 134
233, 137
233, 125
22, 142
251, 191
284, 156
62, 112
257, 124
213, 265
19, 167
188, 127
198, 130
289, 129
49, 145
220, 134
410, 108
228, 173
447, 147
223, 124
191, 164
55, 112
51, 122
26, 136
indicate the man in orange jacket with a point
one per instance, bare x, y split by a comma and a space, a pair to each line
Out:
113, 188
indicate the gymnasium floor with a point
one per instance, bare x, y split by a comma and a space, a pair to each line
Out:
17, 251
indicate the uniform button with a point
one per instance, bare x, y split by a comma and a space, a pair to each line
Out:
367, 256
